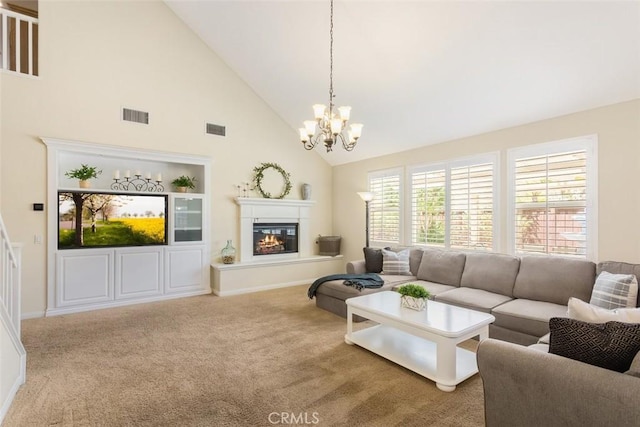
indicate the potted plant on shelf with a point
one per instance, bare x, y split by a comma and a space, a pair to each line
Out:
414, 296
84, 173
183, 183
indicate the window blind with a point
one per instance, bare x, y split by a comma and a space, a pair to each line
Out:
384, 209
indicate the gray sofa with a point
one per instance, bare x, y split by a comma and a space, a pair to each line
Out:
526, 387
514, 376
523, 293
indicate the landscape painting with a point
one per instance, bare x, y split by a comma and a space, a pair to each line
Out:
93, 219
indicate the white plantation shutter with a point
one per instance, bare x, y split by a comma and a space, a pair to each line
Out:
384, 209
471, 213
553, 200
453, 204
428, 207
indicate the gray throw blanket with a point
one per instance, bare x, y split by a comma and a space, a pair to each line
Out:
358, 281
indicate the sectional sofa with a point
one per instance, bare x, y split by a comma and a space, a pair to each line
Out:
522, 293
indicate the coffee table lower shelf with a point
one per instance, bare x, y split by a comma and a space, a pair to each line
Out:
414, 353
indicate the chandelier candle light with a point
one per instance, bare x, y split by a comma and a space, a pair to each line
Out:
330, 127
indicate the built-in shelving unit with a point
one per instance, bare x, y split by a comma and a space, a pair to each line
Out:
87, 278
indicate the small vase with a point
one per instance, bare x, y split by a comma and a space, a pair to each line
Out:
306, 191
182, 189
418, 304
84, 183
228, 253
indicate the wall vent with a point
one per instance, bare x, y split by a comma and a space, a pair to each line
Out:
135, 116
212, 129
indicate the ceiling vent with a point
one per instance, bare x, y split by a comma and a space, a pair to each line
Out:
212, 129
129, 115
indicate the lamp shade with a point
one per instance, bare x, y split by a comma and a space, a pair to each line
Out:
366, 195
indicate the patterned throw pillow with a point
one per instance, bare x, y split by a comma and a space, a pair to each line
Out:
615, 290
611, 345
396, 262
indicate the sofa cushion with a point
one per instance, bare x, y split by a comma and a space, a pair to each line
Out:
620, 268
395, 262
581, 310
491, 272
474, 299
540, 347
634, 369
611, 345
441, 266
554, 279
415, 257
527, 316
615, 290
433, 288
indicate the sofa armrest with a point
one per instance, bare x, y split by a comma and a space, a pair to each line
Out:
525, 387
356, 267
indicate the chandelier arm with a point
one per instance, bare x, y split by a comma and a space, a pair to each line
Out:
346, 144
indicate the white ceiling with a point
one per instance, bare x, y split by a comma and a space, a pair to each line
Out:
424, 72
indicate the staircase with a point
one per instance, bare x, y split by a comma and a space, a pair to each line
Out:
13, 358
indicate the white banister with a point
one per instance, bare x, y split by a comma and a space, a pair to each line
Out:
13, 357
10, 278
12, 47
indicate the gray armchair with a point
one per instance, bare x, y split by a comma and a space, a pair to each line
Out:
527, 387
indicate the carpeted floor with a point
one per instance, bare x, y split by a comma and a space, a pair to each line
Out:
262, 359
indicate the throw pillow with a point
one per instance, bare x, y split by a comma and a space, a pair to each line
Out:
581, 310
396, 262
615, 290
372, 260
611, 345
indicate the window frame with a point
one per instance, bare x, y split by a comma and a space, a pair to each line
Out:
587, 143
467, 161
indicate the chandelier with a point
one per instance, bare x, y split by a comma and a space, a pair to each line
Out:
328, 126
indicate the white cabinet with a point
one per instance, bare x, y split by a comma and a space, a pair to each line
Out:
185, 269
84, 277
89, 273
139, 272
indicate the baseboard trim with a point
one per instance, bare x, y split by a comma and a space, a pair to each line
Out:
123, 303
32, 315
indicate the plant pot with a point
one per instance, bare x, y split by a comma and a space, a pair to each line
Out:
84, 183
182, 189
418, 304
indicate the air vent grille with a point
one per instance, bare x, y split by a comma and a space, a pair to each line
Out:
216, 129
135, 116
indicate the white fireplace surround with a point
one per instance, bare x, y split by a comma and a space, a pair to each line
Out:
253, 210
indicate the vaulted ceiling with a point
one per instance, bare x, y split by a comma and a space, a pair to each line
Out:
424, 72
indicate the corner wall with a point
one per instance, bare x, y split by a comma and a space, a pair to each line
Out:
97, 57
618, 130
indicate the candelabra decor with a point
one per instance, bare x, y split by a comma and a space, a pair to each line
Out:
137, 182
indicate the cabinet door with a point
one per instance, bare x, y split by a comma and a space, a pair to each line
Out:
187, 224
84, 276
185, 269
139, 272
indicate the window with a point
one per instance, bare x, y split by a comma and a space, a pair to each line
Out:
452, 204
384, 209
552, 198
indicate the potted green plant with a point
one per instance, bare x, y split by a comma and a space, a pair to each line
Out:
183, 182
84, 173
414, 296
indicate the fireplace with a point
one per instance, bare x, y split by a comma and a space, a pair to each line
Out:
274, 214
275, 238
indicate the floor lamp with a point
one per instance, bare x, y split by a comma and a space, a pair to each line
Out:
367, 197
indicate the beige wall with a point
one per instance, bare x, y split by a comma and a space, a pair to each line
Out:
618, 130
96, 57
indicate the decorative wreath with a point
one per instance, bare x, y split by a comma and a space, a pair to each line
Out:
259, 175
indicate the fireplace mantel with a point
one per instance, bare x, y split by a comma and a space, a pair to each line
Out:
274, 210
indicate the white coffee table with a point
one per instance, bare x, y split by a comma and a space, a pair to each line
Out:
422, 341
